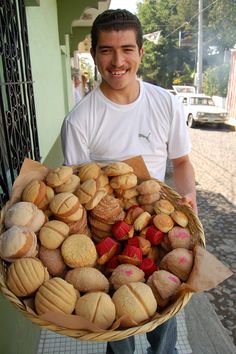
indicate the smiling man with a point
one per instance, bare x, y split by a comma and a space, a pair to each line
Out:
124, 117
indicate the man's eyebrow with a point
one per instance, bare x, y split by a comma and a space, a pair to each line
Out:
123, 46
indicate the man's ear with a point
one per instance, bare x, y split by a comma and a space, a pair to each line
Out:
92, 52
141, 52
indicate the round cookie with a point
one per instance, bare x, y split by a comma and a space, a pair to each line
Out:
78, 250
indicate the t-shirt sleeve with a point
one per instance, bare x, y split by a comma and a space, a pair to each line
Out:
179, 143
74, 146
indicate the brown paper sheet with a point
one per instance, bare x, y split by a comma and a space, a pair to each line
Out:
30, 170
207, 271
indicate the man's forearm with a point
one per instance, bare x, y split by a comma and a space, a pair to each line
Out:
184, 180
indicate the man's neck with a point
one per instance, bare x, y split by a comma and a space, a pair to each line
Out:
123, 96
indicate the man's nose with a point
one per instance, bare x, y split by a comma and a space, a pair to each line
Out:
117, 59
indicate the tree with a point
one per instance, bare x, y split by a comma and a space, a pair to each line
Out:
215, 81
166, 62
162, 63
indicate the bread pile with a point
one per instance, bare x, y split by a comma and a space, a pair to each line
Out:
98, 243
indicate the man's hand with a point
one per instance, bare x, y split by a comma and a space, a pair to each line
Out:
187, 200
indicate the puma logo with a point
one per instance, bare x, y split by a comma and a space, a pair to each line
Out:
145, 136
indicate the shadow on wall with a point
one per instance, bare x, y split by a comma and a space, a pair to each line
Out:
55, 156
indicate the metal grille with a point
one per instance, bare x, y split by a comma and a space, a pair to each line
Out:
18, 128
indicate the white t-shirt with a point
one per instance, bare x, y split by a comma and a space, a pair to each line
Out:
153, 126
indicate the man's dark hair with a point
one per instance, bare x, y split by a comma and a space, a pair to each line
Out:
116, 20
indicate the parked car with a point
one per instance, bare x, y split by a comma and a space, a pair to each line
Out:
199, 108
172, 91
182, 89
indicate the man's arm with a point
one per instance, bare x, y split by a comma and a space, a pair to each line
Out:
184, 180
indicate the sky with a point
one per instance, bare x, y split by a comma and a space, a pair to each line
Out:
129, 5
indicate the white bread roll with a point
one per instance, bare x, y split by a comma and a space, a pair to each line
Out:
25, 276
98, 308
24, 214
55, 295
17, 242
135, 299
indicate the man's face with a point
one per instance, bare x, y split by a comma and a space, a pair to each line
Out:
117, 57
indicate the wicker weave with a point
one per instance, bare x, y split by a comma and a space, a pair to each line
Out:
197, 232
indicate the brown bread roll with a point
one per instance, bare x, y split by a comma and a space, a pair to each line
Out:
43, 205
66, 207
55, 295
118, 169
87, 279
98, 308
180, 218
148, 187
53, 233
53, 261
59, 176
70, 185
142, 221
163, 222
126, 181
163, 206
25, 276
135, 299
86, 191
34, 192
88, 171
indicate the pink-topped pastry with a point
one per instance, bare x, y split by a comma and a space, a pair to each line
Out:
180, 237
179, 262
125, 274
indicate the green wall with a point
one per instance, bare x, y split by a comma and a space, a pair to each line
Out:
50, 64
47, 71
17, 334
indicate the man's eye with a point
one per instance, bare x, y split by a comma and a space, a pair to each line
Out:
105, 51
129, 50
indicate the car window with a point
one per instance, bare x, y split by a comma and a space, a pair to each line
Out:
205, 101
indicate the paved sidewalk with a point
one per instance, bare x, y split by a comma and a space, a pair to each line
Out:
206, 334
199, 332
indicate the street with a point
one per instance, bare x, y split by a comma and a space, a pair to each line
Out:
214, 158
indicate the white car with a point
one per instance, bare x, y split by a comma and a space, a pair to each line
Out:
199, 108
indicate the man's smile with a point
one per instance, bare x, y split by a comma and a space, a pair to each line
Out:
118, 73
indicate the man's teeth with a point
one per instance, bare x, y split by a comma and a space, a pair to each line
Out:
118, 73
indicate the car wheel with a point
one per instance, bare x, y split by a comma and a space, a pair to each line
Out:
191, 121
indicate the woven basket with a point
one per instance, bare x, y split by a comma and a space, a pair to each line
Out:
197, 232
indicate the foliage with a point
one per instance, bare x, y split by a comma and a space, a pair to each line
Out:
215, 80
166, 62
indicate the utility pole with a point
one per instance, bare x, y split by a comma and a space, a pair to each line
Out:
199, 50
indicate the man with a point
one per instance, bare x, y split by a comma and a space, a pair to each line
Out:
76, 88
125, 117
